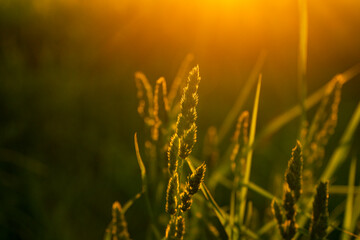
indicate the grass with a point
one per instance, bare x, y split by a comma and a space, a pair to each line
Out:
303, 212
236, 219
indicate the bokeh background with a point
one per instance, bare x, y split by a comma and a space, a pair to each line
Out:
68, 98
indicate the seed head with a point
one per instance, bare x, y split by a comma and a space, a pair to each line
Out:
241, 138
180, 228
144, 95
293, 174
278, 215
187, 142
161, 105
324, 123
196, 178
290, 212
173, 153
171, 193
186, 201
171, 230
117, 229
320, 218
188, 103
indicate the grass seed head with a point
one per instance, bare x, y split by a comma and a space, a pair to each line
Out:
161, 104
145, 96
278, 215
293, 174
186, 201
171, 194
188, 103
240, 138
320, 217
171, 230
187, 142
180, 228
323, 125
196, 178
173, 153
289, 206
118, 227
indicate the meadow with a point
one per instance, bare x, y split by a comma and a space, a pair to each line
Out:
183, 120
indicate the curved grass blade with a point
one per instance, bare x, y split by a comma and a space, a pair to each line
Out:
144, 188
141, 164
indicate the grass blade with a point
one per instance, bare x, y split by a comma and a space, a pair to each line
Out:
141, 164
144, 188
250, 152
349, 199
235, 110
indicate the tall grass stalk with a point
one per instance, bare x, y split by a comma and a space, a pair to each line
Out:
144, 189
246, 178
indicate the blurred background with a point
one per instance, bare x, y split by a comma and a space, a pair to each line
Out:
68, 99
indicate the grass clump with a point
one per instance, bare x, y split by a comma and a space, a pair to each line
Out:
181, 145
170, 136
170, 142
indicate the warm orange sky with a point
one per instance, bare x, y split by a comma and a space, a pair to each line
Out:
226, 37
